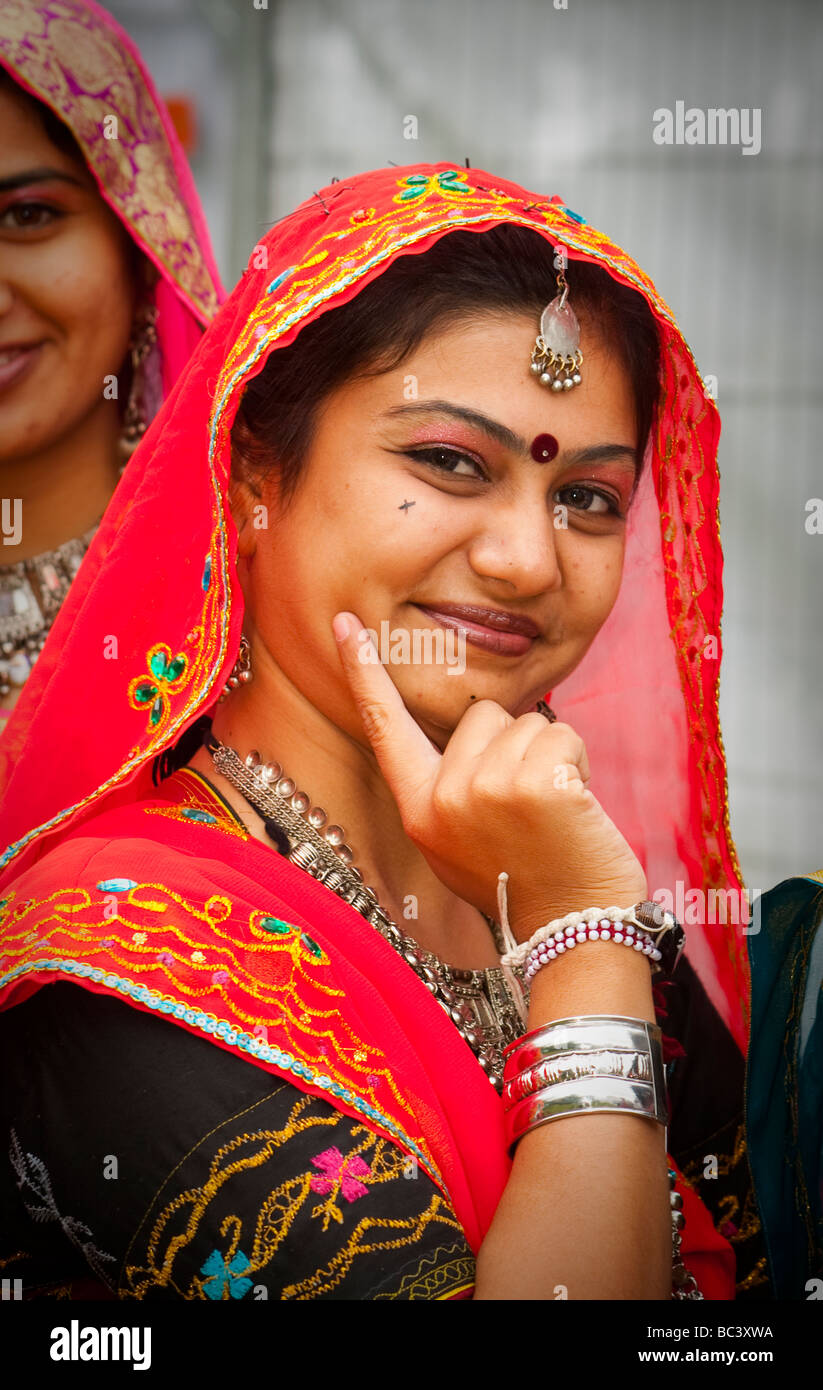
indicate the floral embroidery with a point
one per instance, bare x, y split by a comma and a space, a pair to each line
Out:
225, 1278
416, 185
249, 1188
166, 674
341, 1172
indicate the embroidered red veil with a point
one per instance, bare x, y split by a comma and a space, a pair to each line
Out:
72, 56
214, 930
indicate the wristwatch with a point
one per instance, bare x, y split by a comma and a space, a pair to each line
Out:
666, 932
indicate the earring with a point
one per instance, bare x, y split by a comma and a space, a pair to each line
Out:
241, 672
556, 356
546, 710
141, 343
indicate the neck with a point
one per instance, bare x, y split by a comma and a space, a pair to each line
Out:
65, 488
342, 775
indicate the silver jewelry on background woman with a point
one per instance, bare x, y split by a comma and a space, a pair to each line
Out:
31, 593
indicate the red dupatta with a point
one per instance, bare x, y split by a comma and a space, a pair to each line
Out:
82, 786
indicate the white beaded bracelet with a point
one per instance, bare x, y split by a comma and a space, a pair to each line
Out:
558, 930
565, 938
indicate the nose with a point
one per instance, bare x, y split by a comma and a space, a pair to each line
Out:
518, 544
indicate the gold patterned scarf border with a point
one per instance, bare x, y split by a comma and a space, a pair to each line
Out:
72, 62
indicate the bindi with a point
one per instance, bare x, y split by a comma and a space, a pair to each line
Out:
544, 448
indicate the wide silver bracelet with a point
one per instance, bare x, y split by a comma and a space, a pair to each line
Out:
580, 1033
577, 1066
583, 1065
595, 1095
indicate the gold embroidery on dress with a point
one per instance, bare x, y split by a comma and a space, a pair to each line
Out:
178, 1224
218, 967
199, 797
435, 1278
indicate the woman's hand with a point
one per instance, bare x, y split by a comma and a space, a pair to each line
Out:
507, 794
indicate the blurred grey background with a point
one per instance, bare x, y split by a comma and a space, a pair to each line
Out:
293, 93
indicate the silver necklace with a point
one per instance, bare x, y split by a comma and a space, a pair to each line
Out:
482, 1004
31, 593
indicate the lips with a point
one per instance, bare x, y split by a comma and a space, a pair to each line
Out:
15, 360
493, 618
505, 634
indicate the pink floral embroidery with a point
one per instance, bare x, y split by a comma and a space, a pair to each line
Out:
342, 1171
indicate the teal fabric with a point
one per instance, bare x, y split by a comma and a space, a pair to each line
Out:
784, 1082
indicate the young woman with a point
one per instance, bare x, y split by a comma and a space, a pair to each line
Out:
304, 1086
106, 283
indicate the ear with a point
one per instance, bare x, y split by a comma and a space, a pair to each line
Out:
243, 497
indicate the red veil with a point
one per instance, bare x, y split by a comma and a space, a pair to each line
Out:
150, 631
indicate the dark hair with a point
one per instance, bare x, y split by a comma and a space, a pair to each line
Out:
465, 274
56, 129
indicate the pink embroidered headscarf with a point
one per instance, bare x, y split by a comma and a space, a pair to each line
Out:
71, 55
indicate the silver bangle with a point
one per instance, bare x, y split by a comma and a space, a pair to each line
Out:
596, 1095
581, 1033
578, 1066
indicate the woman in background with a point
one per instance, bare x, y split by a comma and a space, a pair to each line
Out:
107, 280
784, 1082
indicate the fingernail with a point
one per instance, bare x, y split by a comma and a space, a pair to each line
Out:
341, 626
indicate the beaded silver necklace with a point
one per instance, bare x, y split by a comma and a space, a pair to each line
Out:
31, 592
488, 1007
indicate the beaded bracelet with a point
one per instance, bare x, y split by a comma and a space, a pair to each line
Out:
605, 929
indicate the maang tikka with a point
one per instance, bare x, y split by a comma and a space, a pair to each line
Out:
556, 356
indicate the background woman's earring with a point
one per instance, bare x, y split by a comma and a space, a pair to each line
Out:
546, 710
143, 340
241, 672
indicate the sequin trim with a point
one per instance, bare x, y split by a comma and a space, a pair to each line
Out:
211, 1026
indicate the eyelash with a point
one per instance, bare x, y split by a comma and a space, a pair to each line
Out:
429, 456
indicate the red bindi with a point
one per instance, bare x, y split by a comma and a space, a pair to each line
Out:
544, 448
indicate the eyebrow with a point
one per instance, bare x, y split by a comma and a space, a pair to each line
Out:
508, 439
37, 176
